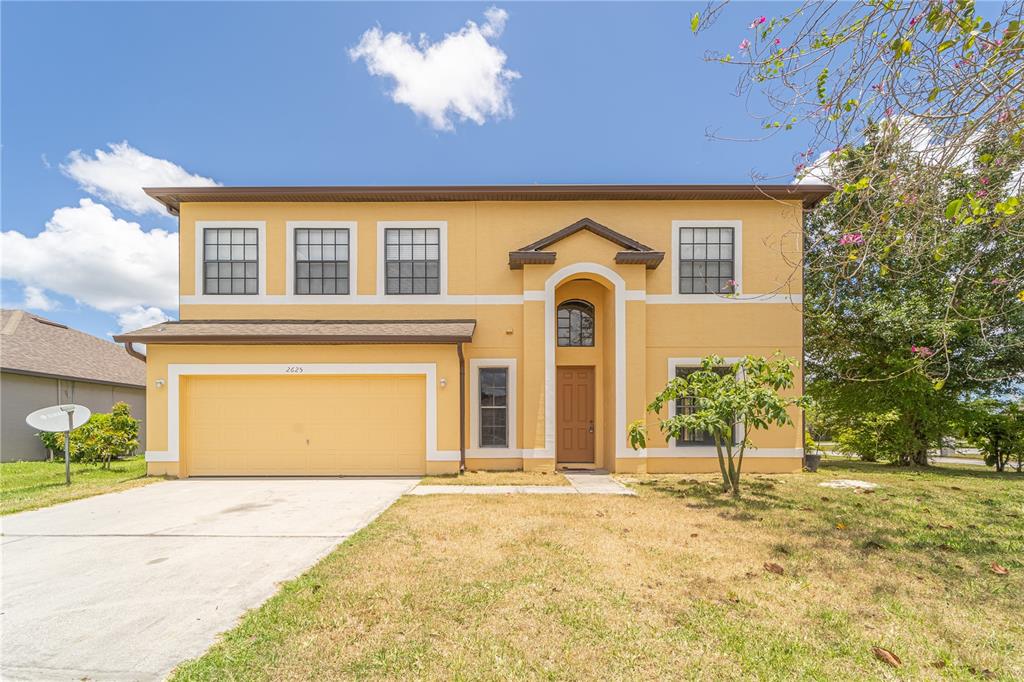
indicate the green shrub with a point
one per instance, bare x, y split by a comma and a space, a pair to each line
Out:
105, 435
875, 436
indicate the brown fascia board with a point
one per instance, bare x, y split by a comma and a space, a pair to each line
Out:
593, 226
517, 259
173, 197
652, 259
244, 340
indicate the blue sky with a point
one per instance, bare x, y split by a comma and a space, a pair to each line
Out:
267, 93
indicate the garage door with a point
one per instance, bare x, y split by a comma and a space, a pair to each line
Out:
309, 425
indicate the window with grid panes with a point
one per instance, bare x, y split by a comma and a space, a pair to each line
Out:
230, 260
493, 407
321, 261
685, 405
706, 260
412, 261
575, 324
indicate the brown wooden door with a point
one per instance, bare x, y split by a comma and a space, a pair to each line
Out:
575, 419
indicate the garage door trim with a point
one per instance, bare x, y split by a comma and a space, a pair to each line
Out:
175, 372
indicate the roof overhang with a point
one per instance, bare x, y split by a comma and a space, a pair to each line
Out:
303, 332
173, 197
538, 253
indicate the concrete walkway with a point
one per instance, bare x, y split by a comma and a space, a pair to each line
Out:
580, 483
125, 586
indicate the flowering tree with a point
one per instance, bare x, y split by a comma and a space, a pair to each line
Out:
913, 314
857, 80
746, 395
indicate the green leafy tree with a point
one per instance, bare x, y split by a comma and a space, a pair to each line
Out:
746, 394
915, 311
104, 436
997, 429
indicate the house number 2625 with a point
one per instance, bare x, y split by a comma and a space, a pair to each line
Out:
293, 370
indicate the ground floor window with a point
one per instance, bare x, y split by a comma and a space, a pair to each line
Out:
493, 400
686, 406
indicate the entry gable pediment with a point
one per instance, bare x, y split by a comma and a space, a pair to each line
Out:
539, 252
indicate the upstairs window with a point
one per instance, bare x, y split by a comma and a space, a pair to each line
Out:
575, 324
494, 407
412, 261
230, 260
321, 261
686, 406
706, 260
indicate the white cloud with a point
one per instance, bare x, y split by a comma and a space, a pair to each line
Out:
461, 76
139, 316
36, 299
119, 175
88, 254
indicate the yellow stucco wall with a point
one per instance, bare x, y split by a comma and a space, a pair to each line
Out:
479, 237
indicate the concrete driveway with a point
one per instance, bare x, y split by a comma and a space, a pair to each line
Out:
125, 586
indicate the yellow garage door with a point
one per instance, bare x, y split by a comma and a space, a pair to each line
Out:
304, 425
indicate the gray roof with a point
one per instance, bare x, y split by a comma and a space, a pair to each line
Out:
30, 344
304, 331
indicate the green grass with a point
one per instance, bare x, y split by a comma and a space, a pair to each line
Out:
498, 478
669, 584
31, 485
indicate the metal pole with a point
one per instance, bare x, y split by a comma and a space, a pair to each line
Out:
67, 448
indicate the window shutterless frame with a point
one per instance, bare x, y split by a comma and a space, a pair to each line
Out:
493, 403
695, 276
575, 324
681, 367
485, 443
322, 263
291, 270
235, 258
412, 258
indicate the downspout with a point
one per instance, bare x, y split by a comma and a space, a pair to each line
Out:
462, 407
132, 352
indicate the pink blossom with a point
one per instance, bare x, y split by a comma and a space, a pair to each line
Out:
851, 238
777, 41
922, 351
1004, 116
744, 44
914, 21
999, 281
888, 112
982, 193
983, 181
757, 22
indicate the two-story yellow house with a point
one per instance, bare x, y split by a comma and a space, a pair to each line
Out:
406, 330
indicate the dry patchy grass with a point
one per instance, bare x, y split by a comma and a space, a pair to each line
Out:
669, 584
499, 478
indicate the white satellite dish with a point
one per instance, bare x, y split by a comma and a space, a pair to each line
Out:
56, 418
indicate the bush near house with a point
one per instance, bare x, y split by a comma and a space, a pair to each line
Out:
105, 435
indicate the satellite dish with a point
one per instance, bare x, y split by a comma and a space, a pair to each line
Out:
56, 418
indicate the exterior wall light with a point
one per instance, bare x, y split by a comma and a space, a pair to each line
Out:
160, 383
443, 382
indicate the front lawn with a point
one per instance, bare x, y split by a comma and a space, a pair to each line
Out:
669, 584
31, 485
498, 478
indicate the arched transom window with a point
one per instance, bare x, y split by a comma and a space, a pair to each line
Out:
575, 324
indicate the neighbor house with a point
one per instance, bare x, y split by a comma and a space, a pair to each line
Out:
44, 363
406, 330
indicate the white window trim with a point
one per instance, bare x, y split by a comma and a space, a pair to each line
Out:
696, 450
474, 449
353, 258
675, 296
261, 237
442, 227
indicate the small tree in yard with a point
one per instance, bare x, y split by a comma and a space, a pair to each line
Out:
747, 393
997, 430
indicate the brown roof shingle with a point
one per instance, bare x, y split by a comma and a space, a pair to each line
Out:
30, 344
304, 331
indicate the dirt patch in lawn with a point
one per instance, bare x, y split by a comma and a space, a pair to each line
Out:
794, 581
499, 478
